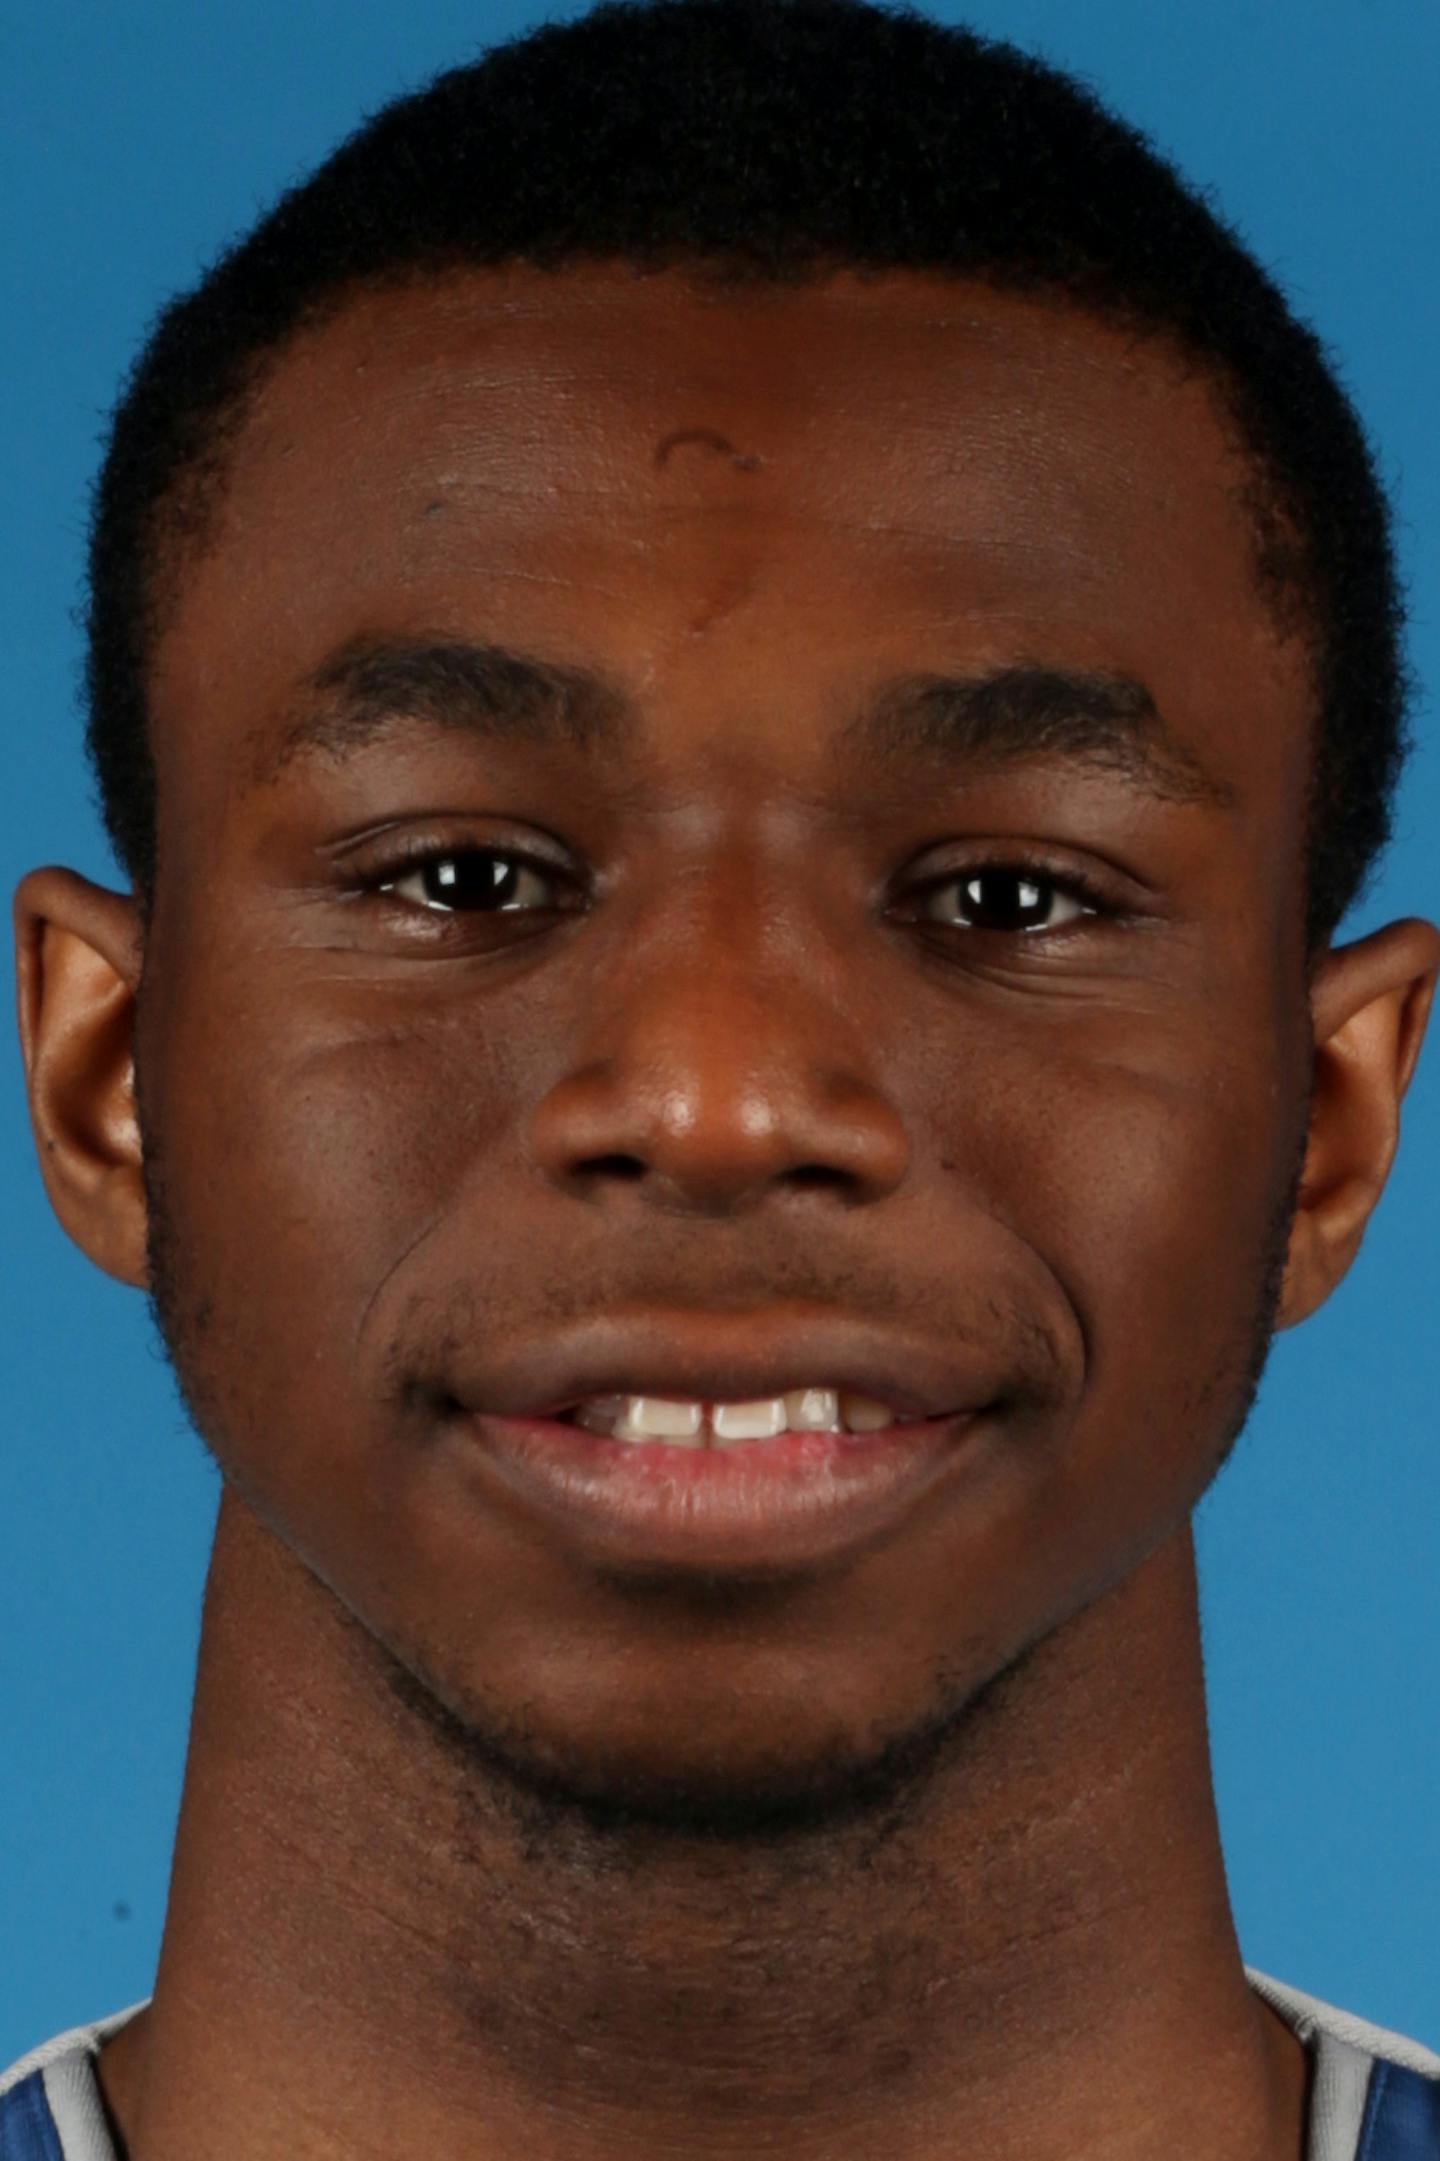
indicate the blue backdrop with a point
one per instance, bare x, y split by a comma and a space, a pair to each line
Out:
134, 141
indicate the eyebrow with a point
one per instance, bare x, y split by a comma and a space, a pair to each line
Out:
1009, 715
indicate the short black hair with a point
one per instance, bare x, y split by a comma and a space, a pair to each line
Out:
775, 140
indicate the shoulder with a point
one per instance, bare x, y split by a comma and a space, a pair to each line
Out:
1375, 2093
50, 2106
1312, 2015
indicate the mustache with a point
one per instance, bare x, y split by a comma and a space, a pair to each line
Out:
505, 1302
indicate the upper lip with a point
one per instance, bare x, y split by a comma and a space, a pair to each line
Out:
731, 1360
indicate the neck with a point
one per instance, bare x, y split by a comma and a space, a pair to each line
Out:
370, 1949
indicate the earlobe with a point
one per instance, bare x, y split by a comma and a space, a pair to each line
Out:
78, 956
1369, 1007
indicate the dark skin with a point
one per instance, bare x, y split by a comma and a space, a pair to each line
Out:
726, 1065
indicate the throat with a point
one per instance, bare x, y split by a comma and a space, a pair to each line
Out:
1005, 1930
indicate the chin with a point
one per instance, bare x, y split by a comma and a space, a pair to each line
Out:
724, 1784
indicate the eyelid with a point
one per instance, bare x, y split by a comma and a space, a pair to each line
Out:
1093, 892
407, 852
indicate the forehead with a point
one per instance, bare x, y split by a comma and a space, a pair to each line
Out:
721, 493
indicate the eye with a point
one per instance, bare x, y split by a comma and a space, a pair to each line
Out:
484, 881
1011, 898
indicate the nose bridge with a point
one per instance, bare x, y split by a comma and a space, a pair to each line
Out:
718, 1055
731, 931
727, 1005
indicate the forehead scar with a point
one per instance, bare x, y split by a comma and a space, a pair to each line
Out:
747, 461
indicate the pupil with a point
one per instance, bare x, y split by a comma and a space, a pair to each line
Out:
1019, 897
472, 880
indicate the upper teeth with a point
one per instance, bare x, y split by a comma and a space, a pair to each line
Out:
800, 1410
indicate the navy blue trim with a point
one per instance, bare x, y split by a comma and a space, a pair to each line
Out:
27, 2128
1402, 2115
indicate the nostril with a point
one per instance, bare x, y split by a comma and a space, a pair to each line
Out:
615, 1166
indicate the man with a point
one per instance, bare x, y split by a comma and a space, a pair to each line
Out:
742, 666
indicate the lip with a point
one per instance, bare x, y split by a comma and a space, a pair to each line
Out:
776, 1504
729, 1358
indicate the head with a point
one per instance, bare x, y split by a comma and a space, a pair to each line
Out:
742, 666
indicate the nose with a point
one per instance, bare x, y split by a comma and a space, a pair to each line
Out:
714, 1076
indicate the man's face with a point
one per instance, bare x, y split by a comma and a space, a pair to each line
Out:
764, 1034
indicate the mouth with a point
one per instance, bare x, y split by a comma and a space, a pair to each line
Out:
699, 1422
776, 1500
762, 1441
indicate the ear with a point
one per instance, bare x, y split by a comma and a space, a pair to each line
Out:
78, 952
1369, 1004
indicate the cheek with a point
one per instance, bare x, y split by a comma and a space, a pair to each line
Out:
1142, 1190
303, 1165
1149, 1188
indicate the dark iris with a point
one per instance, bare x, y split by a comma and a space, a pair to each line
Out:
1016, 902
473, 879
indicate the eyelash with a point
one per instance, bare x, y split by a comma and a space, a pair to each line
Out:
378, 881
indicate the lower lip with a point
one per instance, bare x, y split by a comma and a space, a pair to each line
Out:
793, 1500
